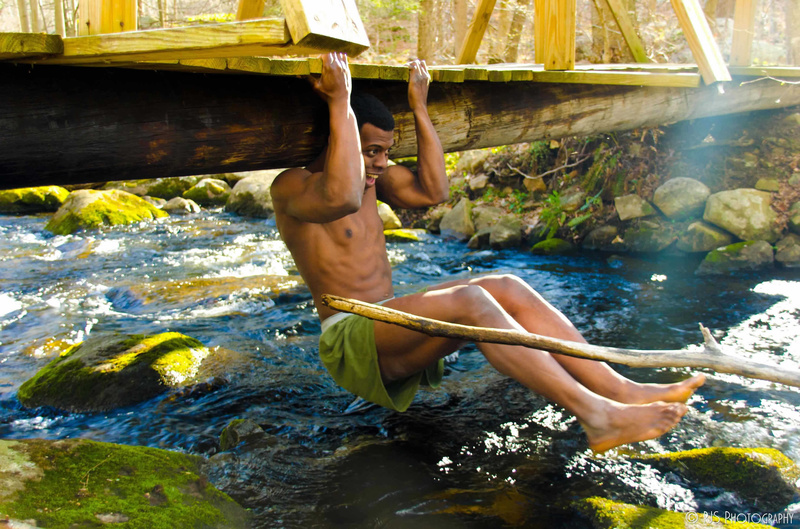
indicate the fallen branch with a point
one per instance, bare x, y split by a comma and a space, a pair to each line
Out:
710, 356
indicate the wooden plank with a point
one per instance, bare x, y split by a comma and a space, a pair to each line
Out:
394, 73
249, 9
674, 80
231, 39
173, 124
290, 67
19, 45
778, 72
326, 25
701, 41
446, 74
257, 65
628, 31
477, 27
554, 33
744, 19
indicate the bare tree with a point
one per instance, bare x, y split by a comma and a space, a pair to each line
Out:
793, 32
24, 20
426, 36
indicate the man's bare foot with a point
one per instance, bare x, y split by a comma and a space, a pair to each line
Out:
630, 423
638, 393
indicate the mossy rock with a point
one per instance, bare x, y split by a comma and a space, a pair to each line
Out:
747, 256
388, 216
404, 235
81, 483
209, 192
240, 431
552, 246
609, 514
111, 371
700, 236
252, 196
32, 199
91, 209
649, 237
166, 188
457, 223
763, 476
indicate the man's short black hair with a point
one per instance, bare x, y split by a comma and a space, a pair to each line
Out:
370, 109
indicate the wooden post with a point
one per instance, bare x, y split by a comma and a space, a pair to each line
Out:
326, 24
701, 41
107, 16
554, 33
250, 9
628, 31
744, 18
477, 27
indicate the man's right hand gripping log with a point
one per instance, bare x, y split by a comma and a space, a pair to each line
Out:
327, 216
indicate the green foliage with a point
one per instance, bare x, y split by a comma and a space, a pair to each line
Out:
450, 161
553, 215
539, 150
387, 8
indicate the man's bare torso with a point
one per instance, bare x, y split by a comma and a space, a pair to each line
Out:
346, 257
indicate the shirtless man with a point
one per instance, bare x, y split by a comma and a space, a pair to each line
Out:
328, 218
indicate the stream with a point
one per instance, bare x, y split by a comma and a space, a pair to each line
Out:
481, 451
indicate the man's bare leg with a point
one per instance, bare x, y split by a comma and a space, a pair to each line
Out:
537, 316
607, 423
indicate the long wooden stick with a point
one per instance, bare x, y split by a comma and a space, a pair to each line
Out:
710, 356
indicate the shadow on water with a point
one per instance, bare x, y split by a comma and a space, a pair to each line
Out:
481, 451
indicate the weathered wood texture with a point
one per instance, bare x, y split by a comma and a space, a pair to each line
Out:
19, 45
326, 24
117, 124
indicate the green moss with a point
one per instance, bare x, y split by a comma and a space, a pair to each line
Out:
552, 246
147, 487
721, 254
32, 199
608, 514
108, 208
402, 235
106, 372
762, 475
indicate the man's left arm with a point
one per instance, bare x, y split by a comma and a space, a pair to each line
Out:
401, 187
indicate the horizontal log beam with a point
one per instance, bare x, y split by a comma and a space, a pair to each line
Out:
117, 124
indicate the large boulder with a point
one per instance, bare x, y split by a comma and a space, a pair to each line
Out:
602, 238
787, 251
83, 483
485, 216
748, 256
632, 207
32, 199
603, 513
506, 233
166, 188
110, 371
251, 196
701, 236
763, 476
91, 209
209, 192
648, 237
681, 198
457, 222
794, 218
552, 246
746, 213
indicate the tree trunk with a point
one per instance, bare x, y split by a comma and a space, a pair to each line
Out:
73, 125
607, 40
24, 20
34, 11
426, 30
499, 31
521, 14
793, 31
59, 14
460, 23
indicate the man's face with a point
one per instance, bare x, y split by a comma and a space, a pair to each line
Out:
375, 146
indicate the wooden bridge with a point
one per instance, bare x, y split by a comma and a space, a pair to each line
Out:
225, 97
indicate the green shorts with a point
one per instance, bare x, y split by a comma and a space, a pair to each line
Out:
347, 350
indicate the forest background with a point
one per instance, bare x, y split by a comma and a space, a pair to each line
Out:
433, 29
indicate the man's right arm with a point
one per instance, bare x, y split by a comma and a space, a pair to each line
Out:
336, 190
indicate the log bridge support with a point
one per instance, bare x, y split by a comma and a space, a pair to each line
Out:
151, 124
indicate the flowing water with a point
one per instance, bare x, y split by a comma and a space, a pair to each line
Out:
479, 452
